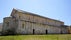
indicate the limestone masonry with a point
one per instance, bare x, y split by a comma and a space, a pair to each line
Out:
22, 22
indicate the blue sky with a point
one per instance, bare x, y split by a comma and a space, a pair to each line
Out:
55, 9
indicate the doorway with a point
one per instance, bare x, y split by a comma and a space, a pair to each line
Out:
33, 31
46, 31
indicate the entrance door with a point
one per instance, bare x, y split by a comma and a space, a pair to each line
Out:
33, 31
46, 31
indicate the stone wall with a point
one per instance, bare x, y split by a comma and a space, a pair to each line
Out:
28, 23
1, 25
39, 24
38, 28
9, 25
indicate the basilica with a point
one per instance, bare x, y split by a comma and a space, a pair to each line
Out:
23, 22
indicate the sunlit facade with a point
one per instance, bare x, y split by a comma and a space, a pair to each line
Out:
22, 22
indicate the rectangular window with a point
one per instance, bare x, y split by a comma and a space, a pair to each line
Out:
22, 25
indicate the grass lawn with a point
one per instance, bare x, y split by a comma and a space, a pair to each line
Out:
37, 37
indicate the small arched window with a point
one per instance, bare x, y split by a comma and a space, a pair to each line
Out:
19, 17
